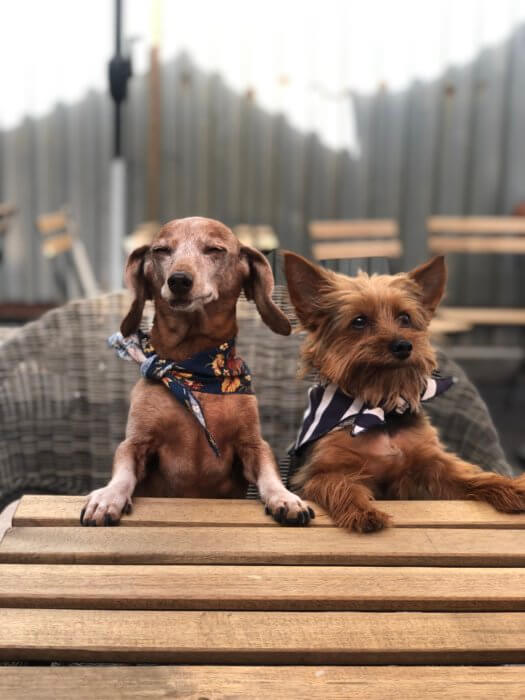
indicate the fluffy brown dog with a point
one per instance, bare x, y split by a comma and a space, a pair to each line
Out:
194, 272
367, 337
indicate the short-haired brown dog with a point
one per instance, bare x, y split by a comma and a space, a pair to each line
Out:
367, 338
194, 271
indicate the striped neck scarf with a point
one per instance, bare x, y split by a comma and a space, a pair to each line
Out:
329, 408
215, 371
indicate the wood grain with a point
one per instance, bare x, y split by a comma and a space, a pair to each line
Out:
262, 637
240, 545
269, 682
64, 511
226, 587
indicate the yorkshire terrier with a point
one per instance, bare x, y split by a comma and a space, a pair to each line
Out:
364, 435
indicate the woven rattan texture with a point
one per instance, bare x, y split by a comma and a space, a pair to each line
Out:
64, 397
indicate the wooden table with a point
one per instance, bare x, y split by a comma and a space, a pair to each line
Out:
225, 603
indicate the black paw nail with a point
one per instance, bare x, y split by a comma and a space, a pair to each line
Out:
311, 512
267, 510
108, 520
82, 516
127, 509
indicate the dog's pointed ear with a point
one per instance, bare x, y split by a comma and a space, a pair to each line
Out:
137, 283
431, 277
306, 282
258, 286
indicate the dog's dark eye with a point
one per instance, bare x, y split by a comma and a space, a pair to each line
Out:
161, 250
210, 250
360, 322
404, 320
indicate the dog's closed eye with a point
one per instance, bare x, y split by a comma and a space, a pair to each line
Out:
161, 250
212, 249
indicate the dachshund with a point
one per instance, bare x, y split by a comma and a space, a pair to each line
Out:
194, 271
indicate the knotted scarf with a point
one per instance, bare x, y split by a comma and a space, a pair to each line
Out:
215, 371
330, 408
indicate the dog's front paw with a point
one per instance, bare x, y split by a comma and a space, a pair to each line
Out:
288, 509
364, 520
105, 506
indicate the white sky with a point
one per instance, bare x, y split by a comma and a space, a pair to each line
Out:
300, 57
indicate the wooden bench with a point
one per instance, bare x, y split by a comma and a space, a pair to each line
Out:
225, 603
368, 244
478, 234
355, 238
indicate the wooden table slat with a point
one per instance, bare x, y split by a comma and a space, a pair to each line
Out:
262, 637
269, 682
64, 511
240, 545
261, 588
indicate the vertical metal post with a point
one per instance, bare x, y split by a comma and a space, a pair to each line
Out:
119, 74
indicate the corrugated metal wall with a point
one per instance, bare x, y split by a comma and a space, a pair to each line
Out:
452, 145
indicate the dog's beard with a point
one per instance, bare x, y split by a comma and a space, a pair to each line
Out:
385, 385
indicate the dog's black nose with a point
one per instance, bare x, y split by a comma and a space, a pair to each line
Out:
180, 282
401, 348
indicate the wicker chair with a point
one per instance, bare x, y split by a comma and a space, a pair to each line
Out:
64, 397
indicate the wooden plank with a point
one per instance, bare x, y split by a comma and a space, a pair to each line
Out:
256, 638
449, 244
442, 326
270, 682
360, 249
55, 221
64, 511
358, 228
240, 545
226, 587
489, 316
478, 225
56, 245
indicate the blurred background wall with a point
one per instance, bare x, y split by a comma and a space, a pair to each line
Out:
273, 114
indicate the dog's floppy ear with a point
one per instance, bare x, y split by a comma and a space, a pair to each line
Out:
136, 282
306, 282
431, 278
258, 285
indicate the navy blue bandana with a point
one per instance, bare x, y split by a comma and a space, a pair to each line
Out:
215, 371
329, 408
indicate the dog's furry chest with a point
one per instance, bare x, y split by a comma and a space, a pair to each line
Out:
180, 460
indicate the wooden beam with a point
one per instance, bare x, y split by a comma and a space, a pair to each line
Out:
64, 511
269, 682
277, 588
354, 228
54, 245
492, 316
359, 249
108, 636
476, 224
450, 244
52, 222
241, 545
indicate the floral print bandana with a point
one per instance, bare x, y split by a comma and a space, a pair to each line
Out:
215, 371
